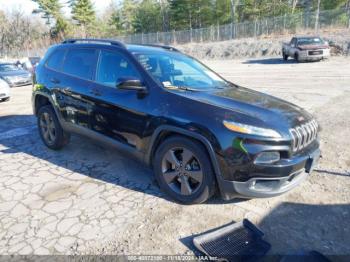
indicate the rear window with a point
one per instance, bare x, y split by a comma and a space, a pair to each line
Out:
56, 59
80, 63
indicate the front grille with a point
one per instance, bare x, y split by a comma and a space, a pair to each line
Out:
317, 52
303, 135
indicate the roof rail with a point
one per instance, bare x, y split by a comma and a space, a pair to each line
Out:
167, 47
93, 40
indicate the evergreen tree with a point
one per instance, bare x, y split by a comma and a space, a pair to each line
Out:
148, 17
127, 15
83, 13
51, 10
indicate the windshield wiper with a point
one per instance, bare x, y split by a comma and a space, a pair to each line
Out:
181, 88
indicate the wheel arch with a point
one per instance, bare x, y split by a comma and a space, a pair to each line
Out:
40, 100
165, 131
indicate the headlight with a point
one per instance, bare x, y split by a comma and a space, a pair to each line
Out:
251, 130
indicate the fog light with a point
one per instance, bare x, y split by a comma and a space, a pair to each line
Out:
267, 158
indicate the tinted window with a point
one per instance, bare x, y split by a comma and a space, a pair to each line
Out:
56, 59
113, 67
80, 62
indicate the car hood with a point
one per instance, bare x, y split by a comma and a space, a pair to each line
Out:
312, 47
15, 73
259, 107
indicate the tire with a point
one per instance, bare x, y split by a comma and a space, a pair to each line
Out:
55, 139
182, 181
285, 56
296, 56
5, 99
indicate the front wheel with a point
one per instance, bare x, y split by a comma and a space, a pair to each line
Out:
297, 58
285, 56
183, 170
50, 130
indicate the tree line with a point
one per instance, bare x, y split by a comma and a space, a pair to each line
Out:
145, 16
18, 31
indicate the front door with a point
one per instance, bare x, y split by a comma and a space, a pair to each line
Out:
118, 114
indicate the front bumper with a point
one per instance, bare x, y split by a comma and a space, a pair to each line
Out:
4, 94
18, 81
308, 56
287, 176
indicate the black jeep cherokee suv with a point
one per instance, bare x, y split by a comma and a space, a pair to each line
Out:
199, 132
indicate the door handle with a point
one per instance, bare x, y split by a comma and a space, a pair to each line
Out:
55, 81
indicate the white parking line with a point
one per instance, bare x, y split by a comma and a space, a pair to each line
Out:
21, 131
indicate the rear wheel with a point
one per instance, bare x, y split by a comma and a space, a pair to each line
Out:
285, 56
50, 130
183, 170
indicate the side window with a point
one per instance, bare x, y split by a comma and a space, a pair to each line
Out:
56, 59
80, 62
114, 66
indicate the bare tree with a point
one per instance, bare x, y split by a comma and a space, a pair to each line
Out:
19, 34
317, 16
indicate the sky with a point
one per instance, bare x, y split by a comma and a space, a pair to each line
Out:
27, 6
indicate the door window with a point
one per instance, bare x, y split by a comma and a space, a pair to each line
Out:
113, 67
56, 59
80, 63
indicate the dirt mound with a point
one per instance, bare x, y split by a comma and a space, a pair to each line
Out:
258, 47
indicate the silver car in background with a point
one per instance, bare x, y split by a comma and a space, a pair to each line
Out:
14, 76
4, 91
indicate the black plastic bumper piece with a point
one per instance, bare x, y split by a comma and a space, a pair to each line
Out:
241, 241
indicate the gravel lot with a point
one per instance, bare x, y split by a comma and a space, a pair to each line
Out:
87, 199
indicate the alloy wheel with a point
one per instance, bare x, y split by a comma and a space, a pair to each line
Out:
182, 171
48, 128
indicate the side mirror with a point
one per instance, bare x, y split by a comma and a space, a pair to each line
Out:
131, 84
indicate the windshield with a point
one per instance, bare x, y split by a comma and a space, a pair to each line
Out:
8, 67
310, 41
175, 70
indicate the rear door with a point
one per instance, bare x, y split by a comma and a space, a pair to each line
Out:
75, 84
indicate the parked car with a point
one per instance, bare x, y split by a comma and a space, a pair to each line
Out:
14, 76
199, 132
4, 91
309, 48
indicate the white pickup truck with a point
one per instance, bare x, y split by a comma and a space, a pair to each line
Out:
306, 49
